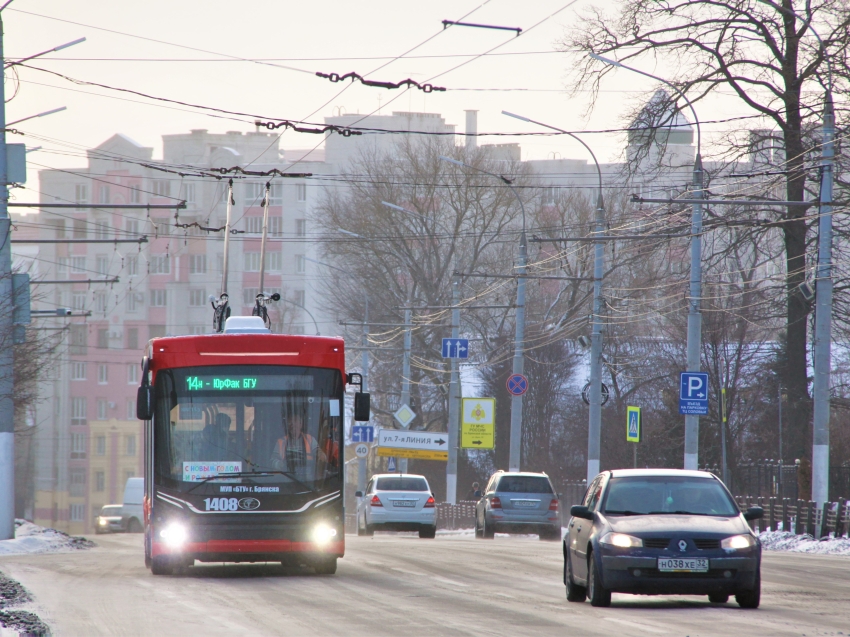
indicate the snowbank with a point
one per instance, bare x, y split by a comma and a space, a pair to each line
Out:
786, 541
31, 538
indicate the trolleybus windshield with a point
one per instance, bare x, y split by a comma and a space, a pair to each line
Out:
252, 424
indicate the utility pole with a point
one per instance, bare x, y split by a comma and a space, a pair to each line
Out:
594, 433
405, 374
519, 351
454, 401
364, 373
7, 411
694, 315
823, 313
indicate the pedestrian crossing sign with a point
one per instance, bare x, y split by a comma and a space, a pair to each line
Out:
633, 424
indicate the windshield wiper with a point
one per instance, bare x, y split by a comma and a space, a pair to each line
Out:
624, 513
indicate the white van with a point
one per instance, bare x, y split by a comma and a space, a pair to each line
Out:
131, 511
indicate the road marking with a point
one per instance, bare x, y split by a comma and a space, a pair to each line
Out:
401, 570
450, 582
639, 626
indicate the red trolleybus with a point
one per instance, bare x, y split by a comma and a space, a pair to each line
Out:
243, 448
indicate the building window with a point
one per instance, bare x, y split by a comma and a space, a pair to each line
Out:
62, 267
78, 339
273, 261
77, 512
197, 298
301, 191
300, 264
100, 445
104, 193
132, 337
103, 338
102, 265
134, 301
101, 229
77, 480
59, 226
197, 264
132, 266
99, 481
78, 411
78, 446
78, 300
78, 265
135, 195
80, 229
301, 227
159, 298
162, 188
102, 374
132, 374
249, 295
160, 264
190, 193
81, 195
156, 331
131, 410
100, 302
251, 262
198, 329
298, 297
102, 407
78, 371
253, 225
131, 445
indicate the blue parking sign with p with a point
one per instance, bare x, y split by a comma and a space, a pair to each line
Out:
693, 393
632, 424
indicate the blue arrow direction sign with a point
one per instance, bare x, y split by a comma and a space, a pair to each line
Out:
362, 433
455, 348
693, 394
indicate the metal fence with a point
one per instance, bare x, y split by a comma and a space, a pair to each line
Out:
770, 479
800, 516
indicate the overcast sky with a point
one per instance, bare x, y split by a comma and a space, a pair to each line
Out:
524, 74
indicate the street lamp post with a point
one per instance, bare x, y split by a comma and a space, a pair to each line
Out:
594, 429
694, 314
519, 335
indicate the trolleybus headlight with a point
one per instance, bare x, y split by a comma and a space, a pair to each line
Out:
174, 535
323, 534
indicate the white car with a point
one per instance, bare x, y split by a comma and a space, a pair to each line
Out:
396, 502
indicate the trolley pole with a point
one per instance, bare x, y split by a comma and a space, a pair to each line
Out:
7, 411
225, 262
405, 374
454, 401
265, 235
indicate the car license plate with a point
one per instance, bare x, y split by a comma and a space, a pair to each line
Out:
682, 565
404, 503
523, 504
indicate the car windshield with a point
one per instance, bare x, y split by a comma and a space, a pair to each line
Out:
401, 484
113, 511
280, 423
642, 495
524, 484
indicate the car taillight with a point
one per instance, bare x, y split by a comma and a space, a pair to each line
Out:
495, 503
376, 501
553, 505
430, 503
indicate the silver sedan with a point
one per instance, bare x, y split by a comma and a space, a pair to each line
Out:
395, 502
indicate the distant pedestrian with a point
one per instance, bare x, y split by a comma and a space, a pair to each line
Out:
474, 493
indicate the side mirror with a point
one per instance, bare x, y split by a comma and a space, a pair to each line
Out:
579, 511
144, 402
362, 410
754, 513
358, 494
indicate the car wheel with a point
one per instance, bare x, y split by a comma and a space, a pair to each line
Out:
134, 526
752, 597
478, 533
369, 531
428, 532
575, 593
487, 532
718, 598
360, 529
326, 566
161, 565
597, 593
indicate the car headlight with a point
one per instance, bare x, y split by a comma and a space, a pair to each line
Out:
621, 540
738, 542
323, 534
102, 522
174, 535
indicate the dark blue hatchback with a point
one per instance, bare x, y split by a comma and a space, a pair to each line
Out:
661, 532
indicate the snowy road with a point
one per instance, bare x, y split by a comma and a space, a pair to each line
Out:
399, 585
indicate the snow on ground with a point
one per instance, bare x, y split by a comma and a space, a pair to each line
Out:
31, 538
786, 541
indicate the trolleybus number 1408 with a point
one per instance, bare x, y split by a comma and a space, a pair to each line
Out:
221, 504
